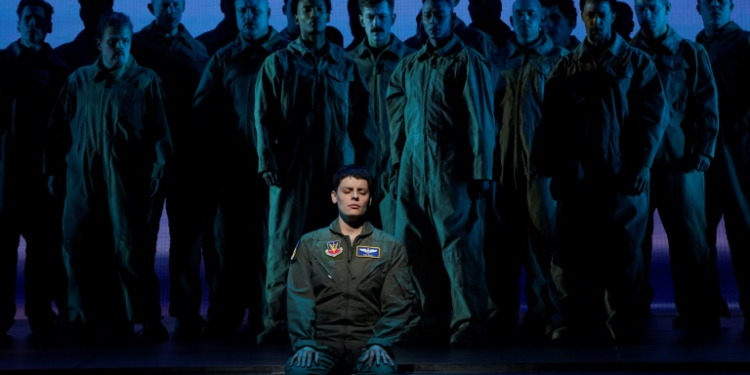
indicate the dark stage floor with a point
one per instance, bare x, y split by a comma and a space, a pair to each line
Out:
662, 350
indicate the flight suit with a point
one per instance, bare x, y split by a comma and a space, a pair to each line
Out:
377, 70
81, 51
678, 190
109, 145
29, 84
499, 31
308, 113
219, 37
224, 105
521, 216
727, 185
332, 34
179, 61
344, 296
603, 120
574, 43
442, 142
471, 37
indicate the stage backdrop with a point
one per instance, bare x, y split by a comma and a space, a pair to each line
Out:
203, 15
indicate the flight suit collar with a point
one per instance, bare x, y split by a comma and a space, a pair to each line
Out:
542, 46
619, 48
453, 46
153, 33
457, 25
333, 53
270, 40
729, 28
17, 48
396, 48
670, 44
336, 229
102, 73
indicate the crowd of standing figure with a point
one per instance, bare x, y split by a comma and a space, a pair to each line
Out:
493, 148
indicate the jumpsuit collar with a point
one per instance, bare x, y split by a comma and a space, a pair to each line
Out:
458, 25
332, 53
729, 28
152, 32
397, 48
102, 73
335, 228
453, 46
17, 48
618, 48
541, 46
268, 43
670, 44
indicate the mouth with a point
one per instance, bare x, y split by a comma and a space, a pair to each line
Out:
354, 206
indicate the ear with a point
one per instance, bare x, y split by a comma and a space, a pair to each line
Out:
393, 18
283, 9
334, 199
99, 45
328, 18
151, 8
18, 25
731, 6
296, 21
668, 7
361, 20
49, 28
698, 7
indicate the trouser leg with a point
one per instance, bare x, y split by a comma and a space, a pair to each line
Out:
9, 239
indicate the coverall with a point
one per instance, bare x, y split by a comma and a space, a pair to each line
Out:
499, 31
377, 68
677, 189
308, 113
179, 61
82, 51
345, 296
473, 38
603, 121
332, 34
219, 37
224, 105
727, 185
574, 43
109, 141
29, 84
521, 216
443, 137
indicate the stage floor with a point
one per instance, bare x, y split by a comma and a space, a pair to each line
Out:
662, 350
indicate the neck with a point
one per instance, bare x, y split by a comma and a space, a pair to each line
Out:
314, 42
439, 43
527, 41
380, 45
351, 227
711, 29
255, 38
168, 32
31, 45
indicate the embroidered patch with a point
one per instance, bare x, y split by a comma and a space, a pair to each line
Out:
368, 252
333, 249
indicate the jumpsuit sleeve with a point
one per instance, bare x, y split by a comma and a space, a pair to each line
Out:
268, 111
160, 138
498, 94
362, 129
649, 116
59, 139
301, 300
396, 298
704, 106
482, 128
212, 113
396, 104
547, 145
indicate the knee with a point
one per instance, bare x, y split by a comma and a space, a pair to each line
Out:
382, 369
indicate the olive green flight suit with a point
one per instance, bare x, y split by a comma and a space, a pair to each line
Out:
308, 113
179, 61
603, 120
224, 105
344, 296
81, 51
678, 190
29, 84
443, 137
522, 206
727, 184
377, 68
109, 141
220, 36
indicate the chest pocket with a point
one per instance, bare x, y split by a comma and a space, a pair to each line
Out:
674, 77
372, 283
130, 109
337, 88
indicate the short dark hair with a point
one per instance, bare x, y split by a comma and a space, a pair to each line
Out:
48, 10
371, 3
114, 19
296, 2
109, 3
612, 4
567, 8
352, 170
448, 1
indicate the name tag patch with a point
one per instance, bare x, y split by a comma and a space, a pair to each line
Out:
368, 252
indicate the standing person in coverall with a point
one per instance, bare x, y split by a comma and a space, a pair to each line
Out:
349, 290
224, 33
560, 21
727, 184
485, 16
107, 152
602, 123
83, 50
225, 108
311, 106
624, 23
166, 47
31, 75
522, 203
377, 56
443, 137
677, 177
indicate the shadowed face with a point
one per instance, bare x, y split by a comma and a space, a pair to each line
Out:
436, 19
33, 25
312, 17
557, 26
252, 18
652, 16
115, 46
168, 13
598, 18
526, 20
377, 21
715, 13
